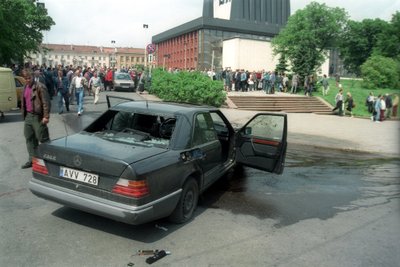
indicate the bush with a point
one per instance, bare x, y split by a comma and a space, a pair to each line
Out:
187, 87
380, 72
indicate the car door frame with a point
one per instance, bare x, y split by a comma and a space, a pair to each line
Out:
260, 152
123, 99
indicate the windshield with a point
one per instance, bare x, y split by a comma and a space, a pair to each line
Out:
122, 76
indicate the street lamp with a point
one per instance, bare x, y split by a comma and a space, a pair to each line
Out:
145, 26
113, 60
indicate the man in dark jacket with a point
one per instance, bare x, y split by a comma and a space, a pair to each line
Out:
35, 107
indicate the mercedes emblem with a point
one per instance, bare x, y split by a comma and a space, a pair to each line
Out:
77, 161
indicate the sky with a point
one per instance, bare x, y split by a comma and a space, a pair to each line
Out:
98, 22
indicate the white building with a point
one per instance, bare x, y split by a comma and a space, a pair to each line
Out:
82, 55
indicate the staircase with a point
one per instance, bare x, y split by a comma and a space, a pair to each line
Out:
259, 101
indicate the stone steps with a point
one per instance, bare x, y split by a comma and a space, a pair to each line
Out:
288, 104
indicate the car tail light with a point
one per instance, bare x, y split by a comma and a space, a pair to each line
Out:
39, 166
136, 189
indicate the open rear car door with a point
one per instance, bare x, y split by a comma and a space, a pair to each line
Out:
261, 142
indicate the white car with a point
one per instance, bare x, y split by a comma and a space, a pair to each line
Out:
123, 82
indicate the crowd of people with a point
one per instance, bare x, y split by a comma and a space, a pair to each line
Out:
269, 81
69, 85
381, 107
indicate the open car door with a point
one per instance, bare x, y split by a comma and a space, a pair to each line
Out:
114, 100
261, 142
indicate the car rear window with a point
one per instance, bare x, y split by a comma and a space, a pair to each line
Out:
135, 128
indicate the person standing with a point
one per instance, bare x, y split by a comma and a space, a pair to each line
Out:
243, 81
389, 105
78, 85
35, 107
250, 82
370, 102
337, 79
382, 108
295, 83
272, 80
325, 85
339, 102
61, 83
350, 103
377, 107
95, 85
285, 82
108, 80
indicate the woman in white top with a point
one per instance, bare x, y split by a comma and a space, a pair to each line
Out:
95, 85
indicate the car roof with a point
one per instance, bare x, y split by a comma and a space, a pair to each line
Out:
162, 107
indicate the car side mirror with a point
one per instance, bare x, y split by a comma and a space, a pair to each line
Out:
247, 130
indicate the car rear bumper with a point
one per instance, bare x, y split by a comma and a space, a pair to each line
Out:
124, 89
117, 211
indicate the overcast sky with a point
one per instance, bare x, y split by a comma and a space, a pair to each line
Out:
97, 22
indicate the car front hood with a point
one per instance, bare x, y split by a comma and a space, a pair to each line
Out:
90, 152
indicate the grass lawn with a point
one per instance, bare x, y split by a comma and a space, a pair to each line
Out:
359, 94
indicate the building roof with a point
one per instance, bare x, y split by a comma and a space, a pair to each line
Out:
263, 29
91, 49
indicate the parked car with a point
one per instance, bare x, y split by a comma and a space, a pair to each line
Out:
19, 84
123, 82
8, 95
141, 161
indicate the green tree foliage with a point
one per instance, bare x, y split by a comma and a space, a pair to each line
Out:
21, 23
282, 66
308, 35
380, 72
187, 87
388, 43
358, 42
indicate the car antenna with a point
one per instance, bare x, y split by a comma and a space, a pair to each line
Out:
66, 131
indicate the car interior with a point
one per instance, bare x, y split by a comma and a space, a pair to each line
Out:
140, 127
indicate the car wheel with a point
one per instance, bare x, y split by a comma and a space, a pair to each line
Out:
187, 203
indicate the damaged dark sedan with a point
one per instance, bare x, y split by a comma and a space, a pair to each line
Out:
141, 161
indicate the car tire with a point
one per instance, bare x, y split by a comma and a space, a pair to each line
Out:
187, 203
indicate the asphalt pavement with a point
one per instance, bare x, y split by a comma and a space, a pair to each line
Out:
328, 131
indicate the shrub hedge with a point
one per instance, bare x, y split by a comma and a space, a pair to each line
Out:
187, 87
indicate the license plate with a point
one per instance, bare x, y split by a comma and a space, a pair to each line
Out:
84, 177
125, 86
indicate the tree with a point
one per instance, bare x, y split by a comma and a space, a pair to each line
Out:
358, 42
21, 23
380, 72
389, 39
282, 65
308, 35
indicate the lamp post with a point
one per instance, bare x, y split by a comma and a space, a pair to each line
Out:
145, 26
113, 60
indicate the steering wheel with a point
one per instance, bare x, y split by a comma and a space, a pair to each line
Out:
167, 127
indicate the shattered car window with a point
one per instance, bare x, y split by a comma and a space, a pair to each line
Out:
267, 126
134, 128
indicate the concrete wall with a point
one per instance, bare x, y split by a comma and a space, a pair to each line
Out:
248, 55
254, 55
